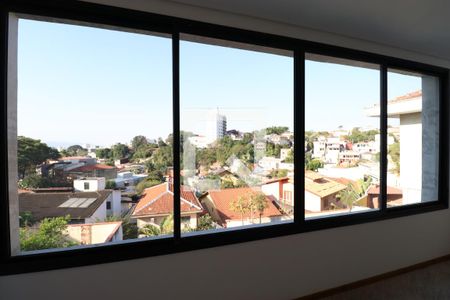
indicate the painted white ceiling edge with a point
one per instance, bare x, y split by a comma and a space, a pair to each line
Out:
239, 20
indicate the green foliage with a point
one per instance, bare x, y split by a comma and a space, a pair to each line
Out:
290, 157
278, 173
205, 222
314, 164
162, 158
276, 129
259, 203
119, 151
167, 225
394, 153
146, 183
354, 192
26, 219
103, 153
240, 205
273, 150
75, 150
35, 181
50, 234
150, 230
110, 185
138, 141
130, 230
30, 153
358, 136
229, 184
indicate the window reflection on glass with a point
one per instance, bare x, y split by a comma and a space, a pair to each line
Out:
94, 123
342, 136
236, 135
413, 144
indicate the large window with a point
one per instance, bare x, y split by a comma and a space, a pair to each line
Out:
342, 140
413, 138
130, 134
94, 112
237, 132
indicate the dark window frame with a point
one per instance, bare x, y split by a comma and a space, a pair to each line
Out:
125, 18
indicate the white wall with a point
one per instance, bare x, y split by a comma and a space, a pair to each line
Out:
305, 266
312, 202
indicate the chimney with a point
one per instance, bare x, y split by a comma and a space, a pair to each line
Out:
86, 234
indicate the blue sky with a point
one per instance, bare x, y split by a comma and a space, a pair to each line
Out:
87, 85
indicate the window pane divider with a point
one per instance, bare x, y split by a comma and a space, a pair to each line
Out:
176, 136
299, 136
383, 138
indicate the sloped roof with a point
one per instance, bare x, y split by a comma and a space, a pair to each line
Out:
47, 205
321, 186
222, 201
90, 168
158, 200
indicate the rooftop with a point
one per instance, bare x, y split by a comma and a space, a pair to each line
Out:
222, 200
321, 186
90, 168
158, 200
51, 205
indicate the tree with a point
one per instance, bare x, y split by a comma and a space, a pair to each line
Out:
150, 230
276, 129
205, 222
167, 225
30, 153
119, 151
289, 157
314, 164
240, 205
110, 185
103, 153
278, 173
354, 192
138, 141
35, 181
394, 153
258, 202
146, 183
50, 234
76, 150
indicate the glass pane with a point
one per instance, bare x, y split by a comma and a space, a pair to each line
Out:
342, 136
237, 138
413, 138
94, 122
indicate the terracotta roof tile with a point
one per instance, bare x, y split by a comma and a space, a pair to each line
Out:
223, 198
89, 168
158, 200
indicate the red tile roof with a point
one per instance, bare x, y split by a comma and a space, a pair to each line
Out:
158, 200
412, 95
90, 168
75, 157
375, 190
223, 198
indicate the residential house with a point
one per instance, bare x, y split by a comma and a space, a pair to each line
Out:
156, 204
320, 192
95, 233
94, 170
81, 207
218, 203
94, 184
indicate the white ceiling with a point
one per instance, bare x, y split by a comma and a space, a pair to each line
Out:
416, 25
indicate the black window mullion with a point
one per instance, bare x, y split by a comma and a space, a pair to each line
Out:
383, 138
176, 135
299, 137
